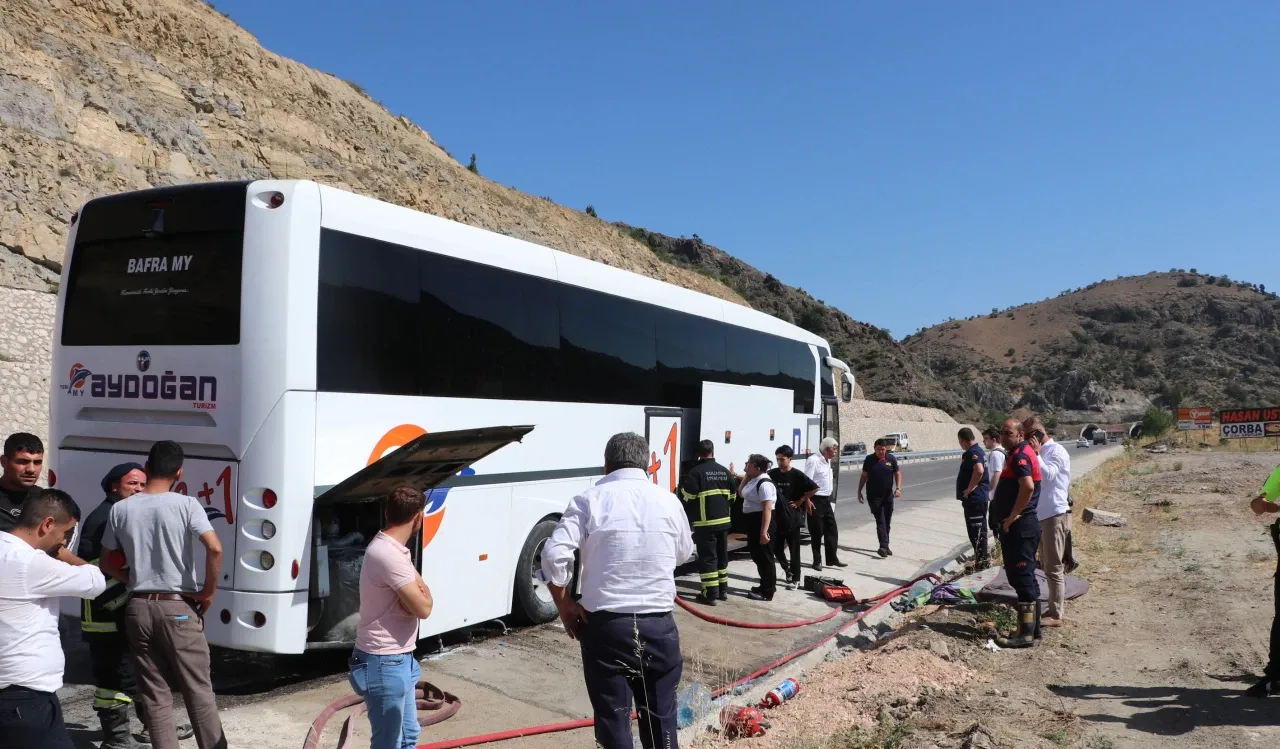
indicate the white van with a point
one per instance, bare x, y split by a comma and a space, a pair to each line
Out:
898, 442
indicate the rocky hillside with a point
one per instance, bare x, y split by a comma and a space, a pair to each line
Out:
101, 96
1116, 346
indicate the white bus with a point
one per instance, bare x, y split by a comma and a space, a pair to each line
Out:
289, 334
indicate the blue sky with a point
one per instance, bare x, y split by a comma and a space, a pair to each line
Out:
907, 162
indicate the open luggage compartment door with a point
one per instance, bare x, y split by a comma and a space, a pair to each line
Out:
355, 507
423, 463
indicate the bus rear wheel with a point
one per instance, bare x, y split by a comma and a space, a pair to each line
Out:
533, 604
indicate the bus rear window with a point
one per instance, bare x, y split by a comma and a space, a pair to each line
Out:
165, 290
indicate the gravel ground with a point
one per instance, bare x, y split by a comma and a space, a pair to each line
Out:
1156, 655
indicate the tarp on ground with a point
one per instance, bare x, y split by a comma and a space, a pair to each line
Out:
1000, 591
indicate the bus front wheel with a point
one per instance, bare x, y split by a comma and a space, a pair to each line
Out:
533, 604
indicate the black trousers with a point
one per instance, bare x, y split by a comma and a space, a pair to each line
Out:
1019, 546
788, 540
822, 530
31, 720
761, 554
713, 557
882, 511
112, 670
975, 521
632, 659
1273, 665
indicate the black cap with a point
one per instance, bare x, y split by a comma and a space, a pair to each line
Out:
117, 473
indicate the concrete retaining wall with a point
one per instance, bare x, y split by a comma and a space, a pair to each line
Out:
927, 428
26, 338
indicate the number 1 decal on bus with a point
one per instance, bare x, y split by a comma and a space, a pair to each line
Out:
668, 454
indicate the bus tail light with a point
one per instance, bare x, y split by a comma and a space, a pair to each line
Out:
266, 560
275, 200
53, 478
259, 619
268, 498
268, 529
225, 616
296, 569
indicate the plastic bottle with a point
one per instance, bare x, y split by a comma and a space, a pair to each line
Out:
781, 693
692, 702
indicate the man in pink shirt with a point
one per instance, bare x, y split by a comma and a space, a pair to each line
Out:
393, 598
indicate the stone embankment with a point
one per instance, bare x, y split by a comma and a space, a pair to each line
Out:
926, 428
26, 325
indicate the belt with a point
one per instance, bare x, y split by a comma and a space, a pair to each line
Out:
159, 596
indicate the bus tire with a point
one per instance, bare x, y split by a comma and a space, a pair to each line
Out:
533, 604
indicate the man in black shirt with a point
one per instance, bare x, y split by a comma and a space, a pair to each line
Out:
22, 462
795, 500
972, 488
883, 482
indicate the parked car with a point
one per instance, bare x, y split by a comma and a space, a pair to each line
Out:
1082, 442
897, 441
854, 448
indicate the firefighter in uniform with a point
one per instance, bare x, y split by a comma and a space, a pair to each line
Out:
102, 622
1017, 497
707, 491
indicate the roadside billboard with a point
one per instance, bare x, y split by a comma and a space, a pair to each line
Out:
1194, 418
1243, 423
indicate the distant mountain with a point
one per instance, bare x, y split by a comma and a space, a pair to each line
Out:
1114, 347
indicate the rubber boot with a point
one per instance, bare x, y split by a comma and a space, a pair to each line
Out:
115, 728
724, 591
1026, 634
1039, 610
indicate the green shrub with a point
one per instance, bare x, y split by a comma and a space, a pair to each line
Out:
472, 166
1156, 422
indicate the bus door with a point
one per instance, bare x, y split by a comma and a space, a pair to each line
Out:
664, 429
831, 428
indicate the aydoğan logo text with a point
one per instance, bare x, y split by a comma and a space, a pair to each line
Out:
199, 390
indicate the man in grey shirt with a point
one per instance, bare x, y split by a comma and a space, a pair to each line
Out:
164, 620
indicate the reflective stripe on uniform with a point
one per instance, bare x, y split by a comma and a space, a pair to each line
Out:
98, 627
108, 699
702, 506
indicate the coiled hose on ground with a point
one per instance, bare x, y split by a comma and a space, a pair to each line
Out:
442, 705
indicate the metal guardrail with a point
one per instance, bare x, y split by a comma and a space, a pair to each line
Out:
907, 457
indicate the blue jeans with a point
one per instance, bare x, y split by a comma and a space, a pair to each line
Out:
387, 684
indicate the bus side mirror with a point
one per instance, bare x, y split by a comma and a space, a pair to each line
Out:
846, 391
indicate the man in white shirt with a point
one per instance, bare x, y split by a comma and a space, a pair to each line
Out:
1054, 514
632, 536
31, 581
995, 466
822, 517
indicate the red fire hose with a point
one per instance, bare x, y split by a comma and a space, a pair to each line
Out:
447, 704
439, 704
